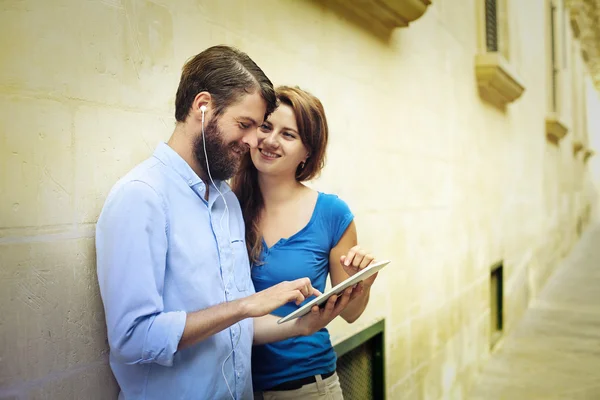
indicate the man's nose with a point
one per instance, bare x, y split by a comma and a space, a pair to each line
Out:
251, 139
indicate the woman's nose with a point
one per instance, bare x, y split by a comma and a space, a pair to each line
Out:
271, 139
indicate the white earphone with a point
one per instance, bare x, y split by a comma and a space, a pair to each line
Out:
203, 110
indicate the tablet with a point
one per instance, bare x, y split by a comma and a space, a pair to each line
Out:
339, 288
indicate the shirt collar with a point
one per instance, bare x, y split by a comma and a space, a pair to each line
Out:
165, 154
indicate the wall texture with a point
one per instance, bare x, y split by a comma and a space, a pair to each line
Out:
441, 182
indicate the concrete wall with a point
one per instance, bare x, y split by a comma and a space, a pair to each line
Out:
441, 182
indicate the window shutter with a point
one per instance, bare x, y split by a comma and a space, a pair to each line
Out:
491, 25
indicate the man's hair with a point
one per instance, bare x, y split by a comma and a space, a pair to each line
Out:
227, 74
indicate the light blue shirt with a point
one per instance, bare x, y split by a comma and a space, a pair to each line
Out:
162, 251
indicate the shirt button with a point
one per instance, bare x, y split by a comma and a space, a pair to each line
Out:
238, 374
190, 181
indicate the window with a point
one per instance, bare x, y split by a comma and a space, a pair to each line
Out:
555, 128
495, 17
491, 25
497, 81
553, 55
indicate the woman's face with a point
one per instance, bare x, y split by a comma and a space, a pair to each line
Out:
280, 149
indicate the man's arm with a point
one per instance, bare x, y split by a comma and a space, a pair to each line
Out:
131, 248
205, 323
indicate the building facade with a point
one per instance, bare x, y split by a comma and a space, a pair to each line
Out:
462, 136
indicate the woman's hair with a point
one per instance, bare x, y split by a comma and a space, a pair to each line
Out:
313, 131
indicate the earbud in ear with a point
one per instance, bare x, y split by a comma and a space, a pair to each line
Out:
203, 109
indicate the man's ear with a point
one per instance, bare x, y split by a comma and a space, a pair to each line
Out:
202, 99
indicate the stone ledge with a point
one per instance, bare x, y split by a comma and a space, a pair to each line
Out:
555, 129
577, 147
497, 82
388, 13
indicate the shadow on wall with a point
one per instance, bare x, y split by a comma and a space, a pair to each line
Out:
375, 19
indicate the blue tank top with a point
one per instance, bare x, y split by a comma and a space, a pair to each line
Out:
304, 254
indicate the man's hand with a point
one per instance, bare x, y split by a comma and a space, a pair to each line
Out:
357, 259
265, 301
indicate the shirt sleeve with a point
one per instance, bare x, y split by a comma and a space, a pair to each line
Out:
340, 218
131, 249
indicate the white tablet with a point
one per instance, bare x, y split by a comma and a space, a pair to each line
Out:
338, 289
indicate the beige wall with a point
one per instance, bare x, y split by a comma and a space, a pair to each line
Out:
442, 183
593, 125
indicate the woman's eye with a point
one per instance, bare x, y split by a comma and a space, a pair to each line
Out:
287, 134
244, 126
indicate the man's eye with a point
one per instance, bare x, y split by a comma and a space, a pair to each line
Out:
244, 126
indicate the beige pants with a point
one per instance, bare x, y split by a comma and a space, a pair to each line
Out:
325, 389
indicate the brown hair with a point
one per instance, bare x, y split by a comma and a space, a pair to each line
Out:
313, 131
227, 74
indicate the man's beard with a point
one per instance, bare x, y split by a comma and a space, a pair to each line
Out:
222, 159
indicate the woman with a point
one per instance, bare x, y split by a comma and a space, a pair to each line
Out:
293, 231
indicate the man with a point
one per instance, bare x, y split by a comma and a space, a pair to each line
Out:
172, 262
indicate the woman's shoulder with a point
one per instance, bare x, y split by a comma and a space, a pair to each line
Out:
329, 197
333, 202
335, 216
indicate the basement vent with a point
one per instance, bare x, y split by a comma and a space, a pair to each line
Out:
360, 364
496, 303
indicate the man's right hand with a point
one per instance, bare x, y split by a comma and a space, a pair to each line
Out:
265, 301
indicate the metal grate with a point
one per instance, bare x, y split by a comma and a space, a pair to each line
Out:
355, 370
491, 25
361, 364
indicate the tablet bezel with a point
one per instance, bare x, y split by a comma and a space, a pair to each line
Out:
337, 289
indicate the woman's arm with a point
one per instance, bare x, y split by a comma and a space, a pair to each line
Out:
346, 259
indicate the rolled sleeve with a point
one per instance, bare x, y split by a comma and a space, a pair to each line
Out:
131, 247
163, 338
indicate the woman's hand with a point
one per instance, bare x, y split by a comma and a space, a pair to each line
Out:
356, 260
318, 317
